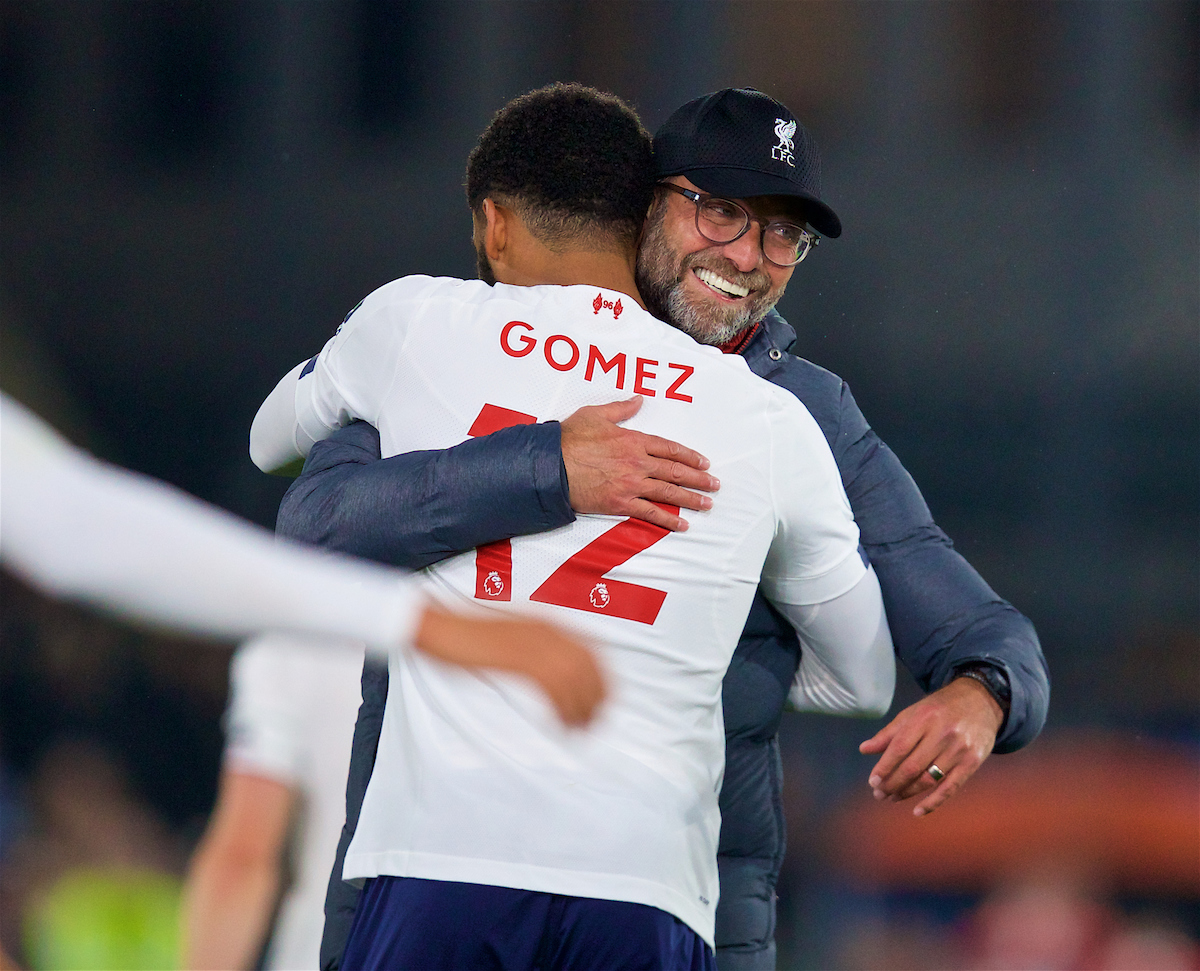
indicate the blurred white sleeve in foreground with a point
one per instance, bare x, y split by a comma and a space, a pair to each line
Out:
82, 529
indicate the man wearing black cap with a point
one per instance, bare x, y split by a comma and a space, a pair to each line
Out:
729, 162
738, 204
736, 166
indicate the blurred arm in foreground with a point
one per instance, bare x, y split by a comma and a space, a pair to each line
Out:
82, 529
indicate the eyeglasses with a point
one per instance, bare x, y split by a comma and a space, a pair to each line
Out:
723, 221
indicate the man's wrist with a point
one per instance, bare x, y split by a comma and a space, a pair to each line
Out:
564, 483
994, 678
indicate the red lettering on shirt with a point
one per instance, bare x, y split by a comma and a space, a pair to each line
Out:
642, 374
580, 583
517, 340
595, 357
528, 342
673, 391
549, 352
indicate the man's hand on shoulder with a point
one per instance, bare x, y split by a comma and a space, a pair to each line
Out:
616, 471
952, 729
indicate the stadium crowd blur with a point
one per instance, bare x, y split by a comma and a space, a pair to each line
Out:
192, 195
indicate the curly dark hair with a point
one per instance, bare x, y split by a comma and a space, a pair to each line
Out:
575, 163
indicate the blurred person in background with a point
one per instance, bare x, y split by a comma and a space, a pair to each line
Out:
259, 874
1080, 856
96, 873
1052, 918
734, 162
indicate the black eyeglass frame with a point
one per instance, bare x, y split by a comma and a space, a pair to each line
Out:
699, 198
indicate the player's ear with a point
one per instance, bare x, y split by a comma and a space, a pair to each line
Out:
495, 229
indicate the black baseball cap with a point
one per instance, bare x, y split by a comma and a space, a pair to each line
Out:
739, 142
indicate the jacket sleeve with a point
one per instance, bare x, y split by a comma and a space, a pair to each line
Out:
417, 508
941, 611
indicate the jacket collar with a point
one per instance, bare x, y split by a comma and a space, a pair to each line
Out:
765, 350
781, 333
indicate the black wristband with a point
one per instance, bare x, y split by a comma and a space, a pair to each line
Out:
995, 679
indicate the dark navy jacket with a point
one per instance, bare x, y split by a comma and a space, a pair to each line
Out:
415, 509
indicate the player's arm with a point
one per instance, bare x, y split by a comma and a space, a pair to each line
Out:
277, 444
344, 382
234, 878
81, 529
847, 665
943, 615
816, 577
417, 508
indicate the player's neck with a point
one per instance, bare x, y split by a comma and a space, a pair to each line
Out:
530, 263
583, 267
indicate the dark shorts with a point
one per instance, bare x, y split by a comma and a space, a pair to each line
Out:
408, 924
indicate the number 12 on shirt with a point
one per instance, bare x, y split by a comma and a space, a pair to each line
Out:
579, 583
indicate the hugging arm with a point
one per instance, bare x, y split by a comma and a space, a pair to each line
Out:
943, 615
82, 529
846, 666
418, 508
277, 445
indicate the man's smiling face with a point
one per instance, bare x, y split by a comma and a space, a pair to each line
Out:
712, 291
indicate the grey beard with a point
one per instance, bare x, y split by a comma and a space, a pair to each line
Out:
695, 323
667, 301
660, 272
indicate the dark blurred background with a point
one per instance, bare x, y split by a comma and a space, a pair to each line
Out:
193, 194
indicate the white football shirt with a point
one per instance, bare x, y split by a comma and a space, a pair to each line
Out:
291, 717
475, 780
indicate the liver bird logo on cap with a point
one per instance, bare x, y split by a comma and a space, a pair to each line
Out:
784, 130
